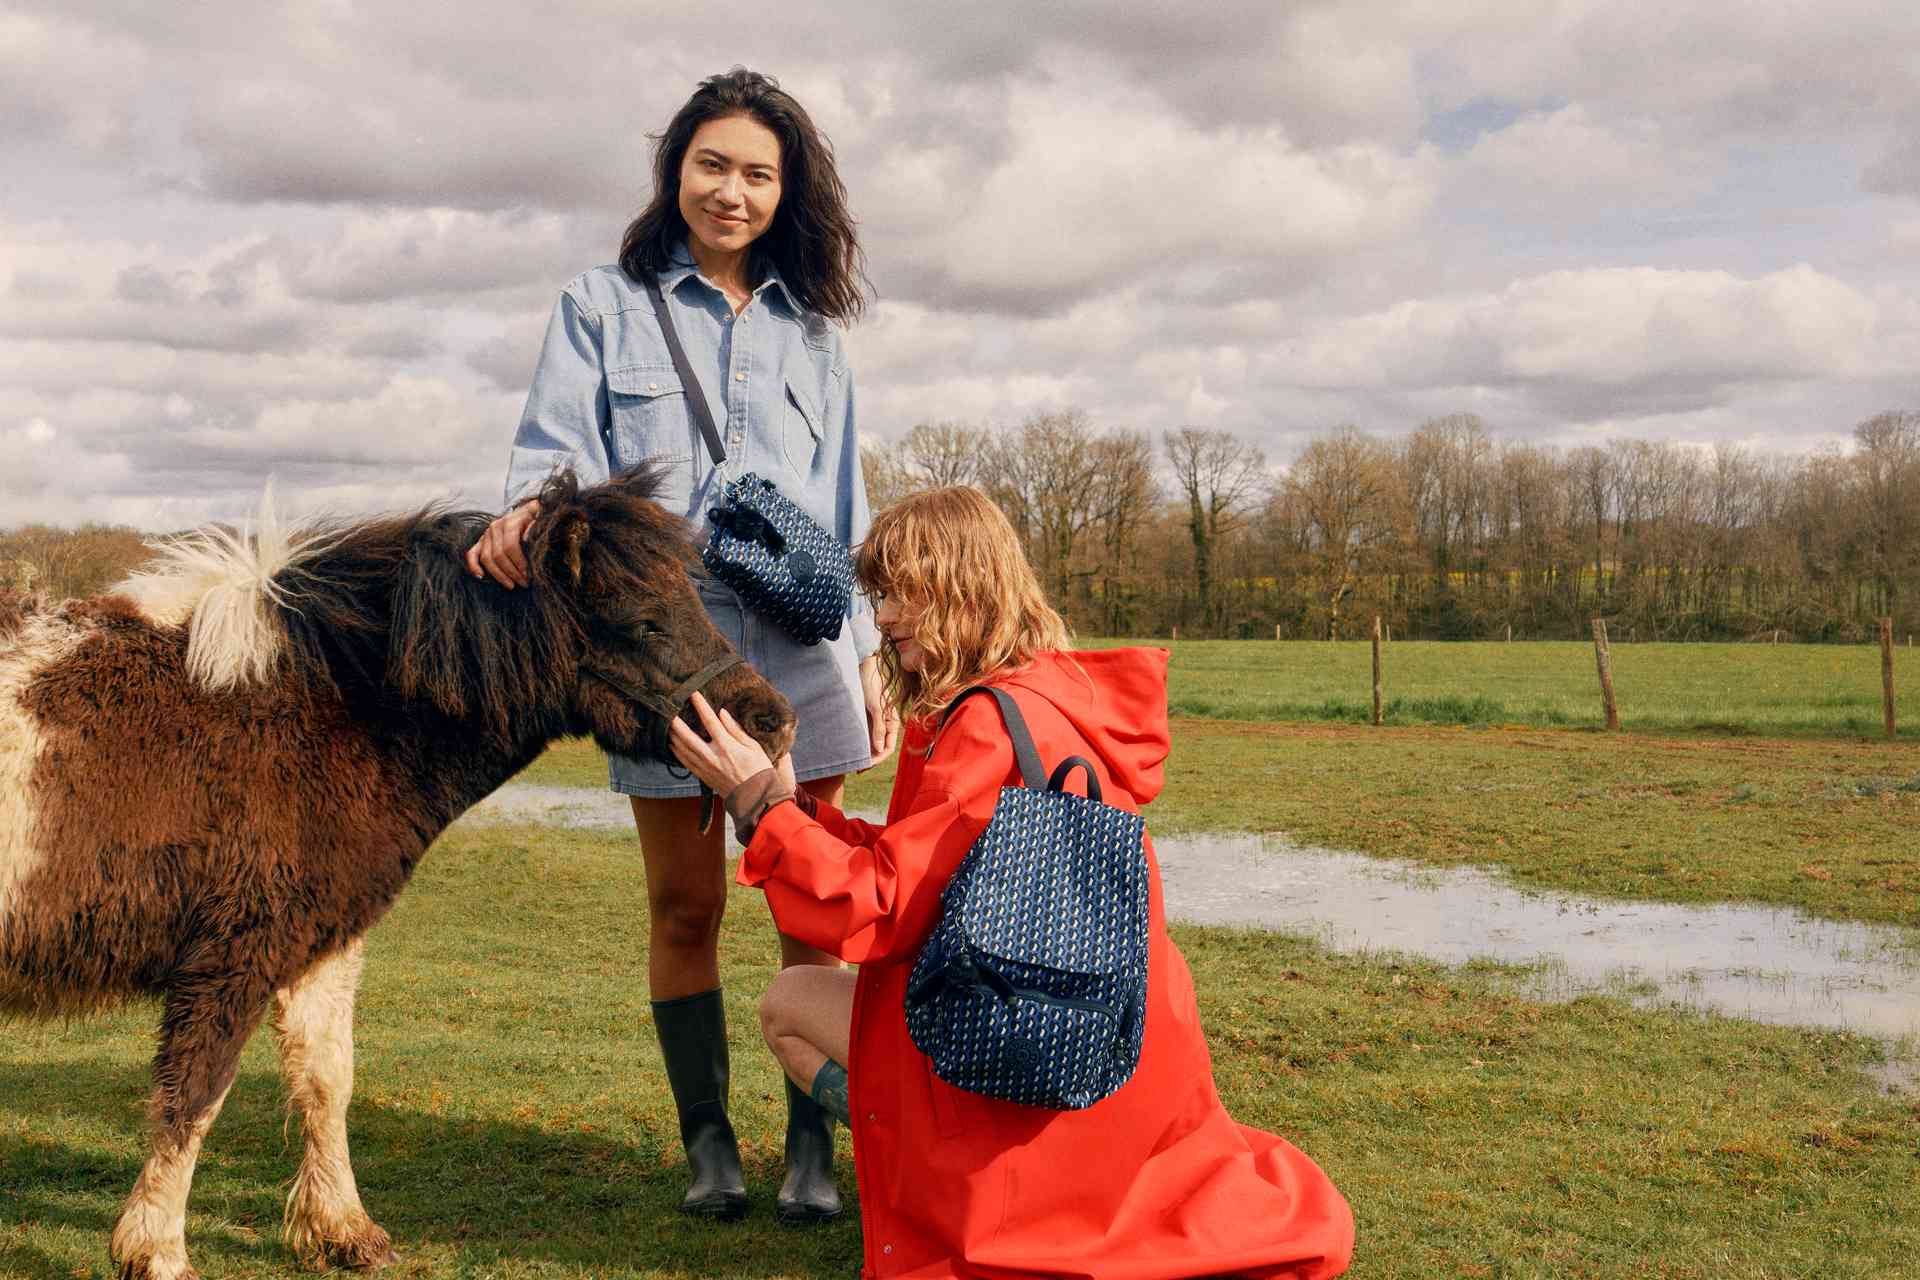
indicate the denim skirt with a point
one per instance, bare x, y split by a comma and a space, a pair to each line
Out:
822, 681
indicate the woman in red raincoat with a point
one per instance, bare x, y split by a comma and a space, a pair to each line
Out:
1154, 1181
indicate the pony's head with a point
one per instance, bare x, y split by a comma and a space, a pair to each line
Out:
643, 639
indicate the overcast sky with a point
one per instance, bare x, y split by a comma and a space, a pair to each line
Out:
319, 241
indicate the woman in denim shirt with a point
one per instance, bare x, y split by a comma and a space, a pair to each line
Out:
755, 253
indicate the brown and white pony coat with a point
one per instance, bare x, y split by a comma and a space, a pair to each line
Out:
216, 780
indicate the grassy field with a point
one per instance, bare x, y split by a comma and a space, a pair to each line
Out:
1799, 690
1832, 827
511, 1118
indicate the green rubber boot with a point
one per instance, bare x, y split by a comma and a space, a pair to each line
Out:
693, 1040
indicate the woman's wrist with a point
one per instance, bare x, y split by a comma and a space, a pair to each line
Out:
748, 802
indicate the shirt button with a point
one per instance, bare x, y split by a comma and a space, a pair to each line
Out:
886, 1248
872, 1115
653, 386
734, 437
739, 377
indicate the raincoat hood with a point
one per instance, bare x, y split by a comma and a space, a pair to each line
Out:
1117, 700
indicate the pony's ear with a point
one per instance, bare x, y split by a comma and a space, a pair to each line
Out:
569, 544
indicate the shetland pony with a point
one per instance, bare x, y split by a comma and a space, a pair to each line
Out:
216, 779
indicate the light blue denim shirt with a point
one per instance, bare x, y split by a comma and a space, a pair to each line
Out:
605, 396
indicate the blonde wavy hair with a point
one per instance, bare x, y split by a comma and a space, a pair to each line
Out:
951, 559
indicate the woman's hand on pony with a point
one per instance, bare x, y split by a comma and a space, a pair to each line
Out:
498, 553
727, 756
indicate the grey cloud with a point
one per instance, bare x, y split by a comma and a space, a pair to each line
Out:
437, 253
37, 286
409, 345
1897, 171
145, 283
506, 361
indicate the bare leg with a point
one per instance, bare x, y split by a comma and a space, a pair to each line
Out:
792, 950
325, 1223
807, 1017
201, 1035
686, 896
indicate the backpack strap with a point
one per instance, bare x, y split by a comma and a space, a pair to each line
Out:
1024, 752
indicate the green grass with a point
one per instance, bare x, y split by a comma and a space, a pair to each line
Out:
1726, 689
1830, 827
512, 1118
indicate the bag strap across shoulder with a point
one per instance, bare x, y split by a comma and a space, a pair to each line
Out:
702, 414
1032, 772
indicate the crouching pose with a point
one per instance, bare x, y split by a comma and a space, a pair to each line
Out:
1155, 1180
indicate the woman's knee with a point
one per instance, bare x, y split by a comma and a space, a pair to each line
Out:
777, 1007
686, 917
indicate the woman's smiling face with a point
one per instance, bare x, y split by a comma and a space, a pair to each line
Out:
730, 183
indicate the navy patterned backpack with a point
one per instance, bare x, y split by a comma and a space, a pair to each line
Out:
1033, 986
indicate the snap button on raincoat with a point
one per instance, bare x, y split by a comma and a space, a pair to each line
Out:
1153, 1182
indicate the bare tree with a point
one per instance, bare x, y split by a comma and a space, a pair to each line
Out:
1888, 461
1342, 487
1220, 477
1125, 498
1595, 481
885, 474
938, 454
1046, 477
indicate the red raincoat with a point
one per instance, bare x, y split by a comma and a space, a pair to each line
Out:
1154, 1181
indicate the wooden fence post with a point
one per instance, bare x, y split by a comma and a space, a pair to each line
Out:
1376, 669
1176, 631
1509, 633
1276, 631
1886, 669
1604, 660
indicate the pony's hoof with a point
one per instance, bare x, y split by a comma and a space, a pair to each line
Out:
144, 1269
371, 1250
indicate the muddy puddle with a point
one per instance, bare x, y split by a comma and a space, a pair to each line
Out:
1772, 965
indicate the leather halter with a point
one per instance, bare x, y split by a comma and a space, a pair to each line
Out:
669, 709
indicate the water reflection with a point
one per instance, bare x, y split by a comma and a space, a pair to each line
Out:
1764, 963
1769, 964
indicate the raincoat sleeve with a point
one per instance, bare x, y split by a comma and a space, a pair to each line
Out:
867, 893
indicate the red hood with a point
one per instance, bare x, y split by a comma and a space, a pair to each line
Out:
1117, 700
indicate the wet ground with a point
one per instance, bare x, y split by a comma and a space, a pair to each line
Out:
1773, 965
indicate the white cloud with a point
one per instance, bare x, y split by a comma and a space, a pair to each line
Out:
1587, 338
1103, 185
322, 240
1566, 159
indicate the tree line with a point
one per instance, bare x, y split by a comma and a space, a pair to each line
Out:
1445, 531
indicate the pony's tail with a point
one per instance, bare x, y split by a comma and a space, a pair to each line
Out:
220, 583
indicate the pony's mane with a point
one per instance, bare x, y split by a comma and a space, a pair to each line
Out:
223, 585
384, 606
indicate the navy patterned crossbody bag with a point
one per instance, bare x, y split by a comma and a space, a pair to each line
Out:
1033, 986
761, 543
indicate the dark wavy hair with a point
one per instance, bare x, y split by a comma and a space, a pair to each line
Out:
811, 241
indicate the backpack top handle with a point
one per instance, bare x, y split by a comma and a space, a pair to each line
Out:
1063, 770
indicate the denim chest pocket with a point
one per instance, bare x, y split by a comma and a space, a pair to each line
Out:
647, 417
801, 431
